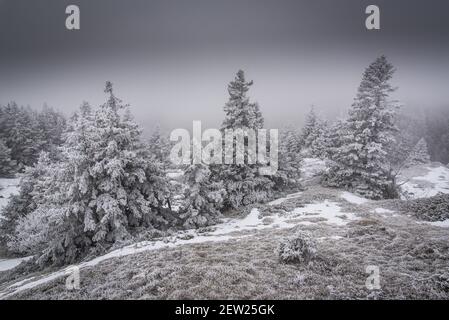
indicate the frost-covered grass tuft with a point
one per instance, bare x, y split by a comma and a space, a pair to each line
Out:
301, 248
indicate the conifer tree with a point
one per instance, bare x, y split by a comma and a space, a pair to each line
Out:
239, 111
31, 194
360, 161
243, 182
419, 154
159, 146
105, 187
25, 139
203, 197
6, 164
27, 132
312, 135
332, 138
290, 161
51, 126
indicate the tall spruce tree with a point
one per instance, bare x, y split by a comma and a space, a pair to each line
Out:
7, 166
159, 146
239, 111
290, 161
243, 182
311, 128
312, 135
419, 154
105, 187
203, 198
26, 132
332, 138
360, 161
31, 194
25, 139
51, 125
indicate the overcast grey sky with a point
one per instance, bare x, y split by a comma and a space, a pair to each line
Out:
172, 59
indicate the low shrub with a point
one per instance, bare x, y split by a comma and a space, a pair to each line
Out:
435, 208
300, 248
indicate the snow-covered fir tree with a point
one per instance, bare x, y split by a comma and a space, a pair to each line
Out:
290, 139
290, 161
312, 135
332, 138
20, 132
106, 185
243, 182
159, 146
360, 163
410, 130
51, 125
31, 194
27, 132
239, 111
33, 232
7, 166
203, 198
319, 146
418, 155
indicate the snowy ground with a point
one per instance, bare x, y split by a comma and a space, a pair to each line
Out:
231, 229
424, 181
352, 198
7, 264
237, 258
442, 224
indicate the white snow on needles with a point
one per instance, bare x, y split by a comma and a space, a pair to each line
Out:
8, 187
312, 167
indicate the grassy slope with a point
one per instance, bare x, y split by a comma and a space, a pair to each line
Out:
413, 260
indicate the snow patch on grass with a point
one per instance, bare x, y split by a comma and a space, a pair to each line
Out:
327, 210
251, 221
427, 185
220, 234
281, 200
128, 250
442, 224
7, 264
352, 198
382, 210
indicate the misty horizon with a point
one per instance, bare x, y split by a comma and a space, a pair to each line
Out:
172, 62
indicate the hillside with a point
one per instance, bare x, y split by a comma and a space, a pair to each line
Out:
238, 258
